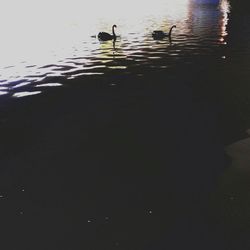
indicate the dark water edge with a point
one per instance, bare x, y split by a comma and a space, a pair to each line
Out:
143, 154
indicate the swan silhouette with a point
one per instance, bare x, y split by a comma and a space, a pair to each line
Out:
104, 36
159, 34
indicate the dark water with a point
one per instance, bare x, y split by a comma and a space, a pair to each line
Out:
125, 150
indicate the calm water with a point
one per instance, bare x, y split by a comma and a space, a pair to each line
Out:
38, 52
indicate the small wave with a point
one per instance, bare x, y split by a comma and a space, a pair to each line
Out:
26, 93
3, 92
48, 85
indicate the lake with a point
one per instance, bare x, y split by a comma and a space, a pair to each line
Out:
119, 145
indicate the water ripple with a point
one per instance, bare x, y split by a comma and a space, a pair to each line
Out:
200, 32
26, 93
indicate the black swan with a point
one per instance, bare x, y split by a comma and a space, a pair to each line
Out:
104, 36
159, 34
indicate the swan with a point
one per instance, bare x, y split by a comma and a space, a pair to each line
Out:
104, 36
159, 34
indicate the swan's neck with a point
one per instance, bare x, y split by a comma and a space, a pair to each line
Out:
170, 31
113, 31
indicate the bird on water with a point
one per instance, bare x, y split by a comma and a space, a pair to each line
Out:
104, 36
159, 34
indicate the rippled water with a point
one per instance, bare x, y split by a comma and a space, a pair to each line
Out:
77, 162
39, 51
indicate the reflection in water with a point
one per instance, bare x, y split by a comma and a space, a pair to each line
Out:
114, 41
26, 93
21, 85
225, 9
3, 92
65, 47
49, 85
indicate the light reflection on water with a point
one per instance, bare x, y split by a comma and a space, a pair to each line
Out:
26, 93
37, 47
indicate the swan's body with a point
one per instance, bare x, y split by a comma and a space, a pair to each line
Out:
104, 36
159, 34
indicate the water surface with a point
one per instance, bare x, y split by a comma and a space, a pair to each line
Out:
119, 139
40, 48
